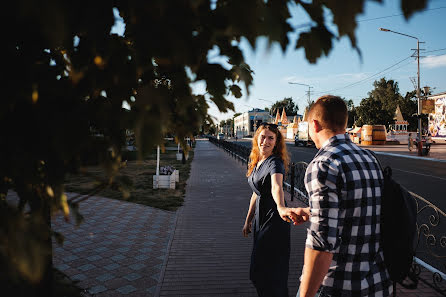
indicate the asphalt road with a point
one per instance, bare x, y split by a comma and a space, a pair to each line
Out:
425, 178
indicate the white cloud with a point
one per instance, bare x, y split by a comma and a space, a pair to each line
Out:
317, 80
434, 61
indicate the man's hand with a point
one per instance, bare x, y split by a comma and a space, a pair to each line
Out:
299, 215
247, 229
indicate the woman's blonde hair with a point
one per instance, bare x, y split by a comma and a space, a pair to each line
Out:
279, 149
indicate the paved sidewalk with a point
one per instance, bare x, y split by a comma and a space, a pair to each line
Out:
118, 250
209, 256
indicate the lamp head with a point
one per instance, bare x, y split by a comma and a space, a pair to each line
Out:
384, 29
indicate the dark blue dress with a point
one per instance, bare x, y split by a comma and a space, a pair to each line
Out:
271, 249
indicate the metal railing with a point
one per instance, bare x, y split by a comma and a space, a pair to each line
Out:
430, 245
431, 237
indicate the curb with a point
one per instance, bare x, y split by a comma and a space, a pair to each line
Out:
166, 259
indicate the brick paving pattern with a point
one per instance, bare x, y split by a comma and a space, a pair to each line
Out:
119, 249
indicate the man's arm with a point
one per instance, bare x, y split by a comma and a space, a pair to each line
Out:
322, 237
316, 264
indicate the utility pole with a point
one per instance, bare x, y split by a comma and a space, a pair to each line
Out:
418, 85
308, 92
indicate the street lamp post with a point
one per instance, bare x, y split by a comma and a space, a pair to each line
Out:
308, 92
418, 85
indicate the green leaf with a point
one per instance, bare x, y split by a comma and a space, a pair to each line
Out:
316, 43
215, 76
315, 11
236, 91
409, 7
242, 73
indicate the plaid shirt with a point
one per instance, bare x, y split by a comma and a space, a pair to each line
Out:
344, 184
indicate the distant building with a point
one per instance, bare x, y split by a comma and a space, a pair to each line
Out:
398, 132
247, 122
282, 120
292, 128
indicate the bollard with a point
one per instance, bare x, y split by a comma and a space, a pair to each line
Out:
292, 180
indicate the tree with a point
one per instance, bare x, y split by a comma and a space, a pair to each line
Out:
408, 106
287, 103
370, 112
379, 108
351, 112
67, 78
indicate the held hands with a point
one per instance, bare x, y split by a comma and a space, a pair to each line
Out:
297, 215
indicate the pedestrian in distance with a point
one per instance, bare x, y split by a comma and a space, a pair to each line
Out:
343, 255
268, 216
409, 142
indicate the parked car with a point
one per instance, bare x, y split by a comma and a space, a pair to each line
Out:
220, 136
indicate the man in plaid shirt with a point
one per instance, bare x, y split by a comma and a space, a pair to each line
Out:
343, 256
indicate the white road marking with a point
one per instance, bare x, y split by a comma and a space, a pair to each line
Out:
419, 173
410, 157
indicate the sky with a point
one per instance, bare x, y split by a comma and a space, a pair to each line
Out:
344, 72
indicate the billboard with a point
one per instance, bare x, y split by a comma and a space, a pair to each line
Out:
427, 106
437, 119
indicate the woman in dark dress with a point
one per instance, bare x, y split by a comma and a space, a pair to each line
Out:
271, 250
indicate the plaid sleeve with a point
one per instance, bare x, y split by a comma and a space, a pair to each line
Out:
321, 181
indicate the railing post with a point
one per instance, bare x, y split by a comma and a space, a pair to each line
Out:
293, 175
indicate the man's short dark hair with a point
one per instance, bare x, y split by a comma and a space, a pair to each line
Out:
331, 112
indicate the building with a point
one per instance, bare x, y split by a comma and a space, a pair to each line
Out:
247, 123
286, 127
398, 132
292, 128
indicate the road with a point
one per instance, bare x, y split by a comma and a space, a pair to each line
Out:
425, 178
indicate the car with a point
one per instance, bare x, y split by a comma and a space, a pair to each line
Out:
220, 136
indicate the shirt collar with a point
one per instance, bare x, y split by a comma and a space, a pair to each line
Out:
340, 138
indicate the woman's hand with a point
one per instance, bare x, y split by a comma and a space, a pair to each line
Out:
300, 215
285, 213
297, 215
247, 229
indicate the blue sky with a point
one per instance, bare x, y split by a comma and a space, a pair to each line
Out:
343, 72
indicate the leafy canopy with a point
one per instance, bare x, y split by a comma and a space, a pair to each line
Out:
287, 103
380, 106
